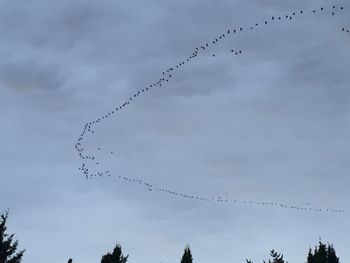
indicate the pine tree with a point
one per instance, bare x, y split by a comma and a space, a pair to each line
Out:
70, 260
115, 257
310, 257
276, 257
322, 254
187, 256
8, 247
331, 255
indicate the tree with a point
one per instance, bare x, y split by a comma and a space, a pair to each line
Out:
331, 255
276, 258
8, 246
187, 256
322, 254
70, 260
115, 257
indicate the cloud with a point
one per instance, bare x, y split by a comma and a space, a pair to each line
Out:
270, 124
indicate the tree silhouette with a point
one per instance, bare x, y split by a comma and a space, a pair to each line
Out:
187, 256
322, 254
115, 257
331, 255
8, 247
70, 260
276, 258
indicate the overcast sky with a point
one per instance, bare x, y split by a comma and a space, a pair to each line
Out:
271, 124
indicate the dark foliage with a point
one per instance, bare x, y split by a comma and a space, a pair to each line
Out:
115, 257
276, 258
70, 260
187, 256
8, 246
322, 254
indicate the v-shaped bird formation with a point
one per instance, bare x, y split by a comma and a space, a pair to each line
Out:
205, 49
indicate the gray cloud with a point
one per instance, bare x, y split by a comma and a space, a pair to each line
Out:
270, 124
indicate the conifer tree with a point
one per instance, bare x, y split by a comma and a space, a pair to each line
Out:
8, 246
310, 257
331, 255
276, 257
322, 254
115, 257
187, 256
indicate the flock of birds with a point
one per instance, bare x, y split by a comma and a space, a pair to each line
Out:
165, 77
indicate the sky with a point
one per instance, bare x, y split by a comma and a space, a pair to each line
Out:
269, 124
